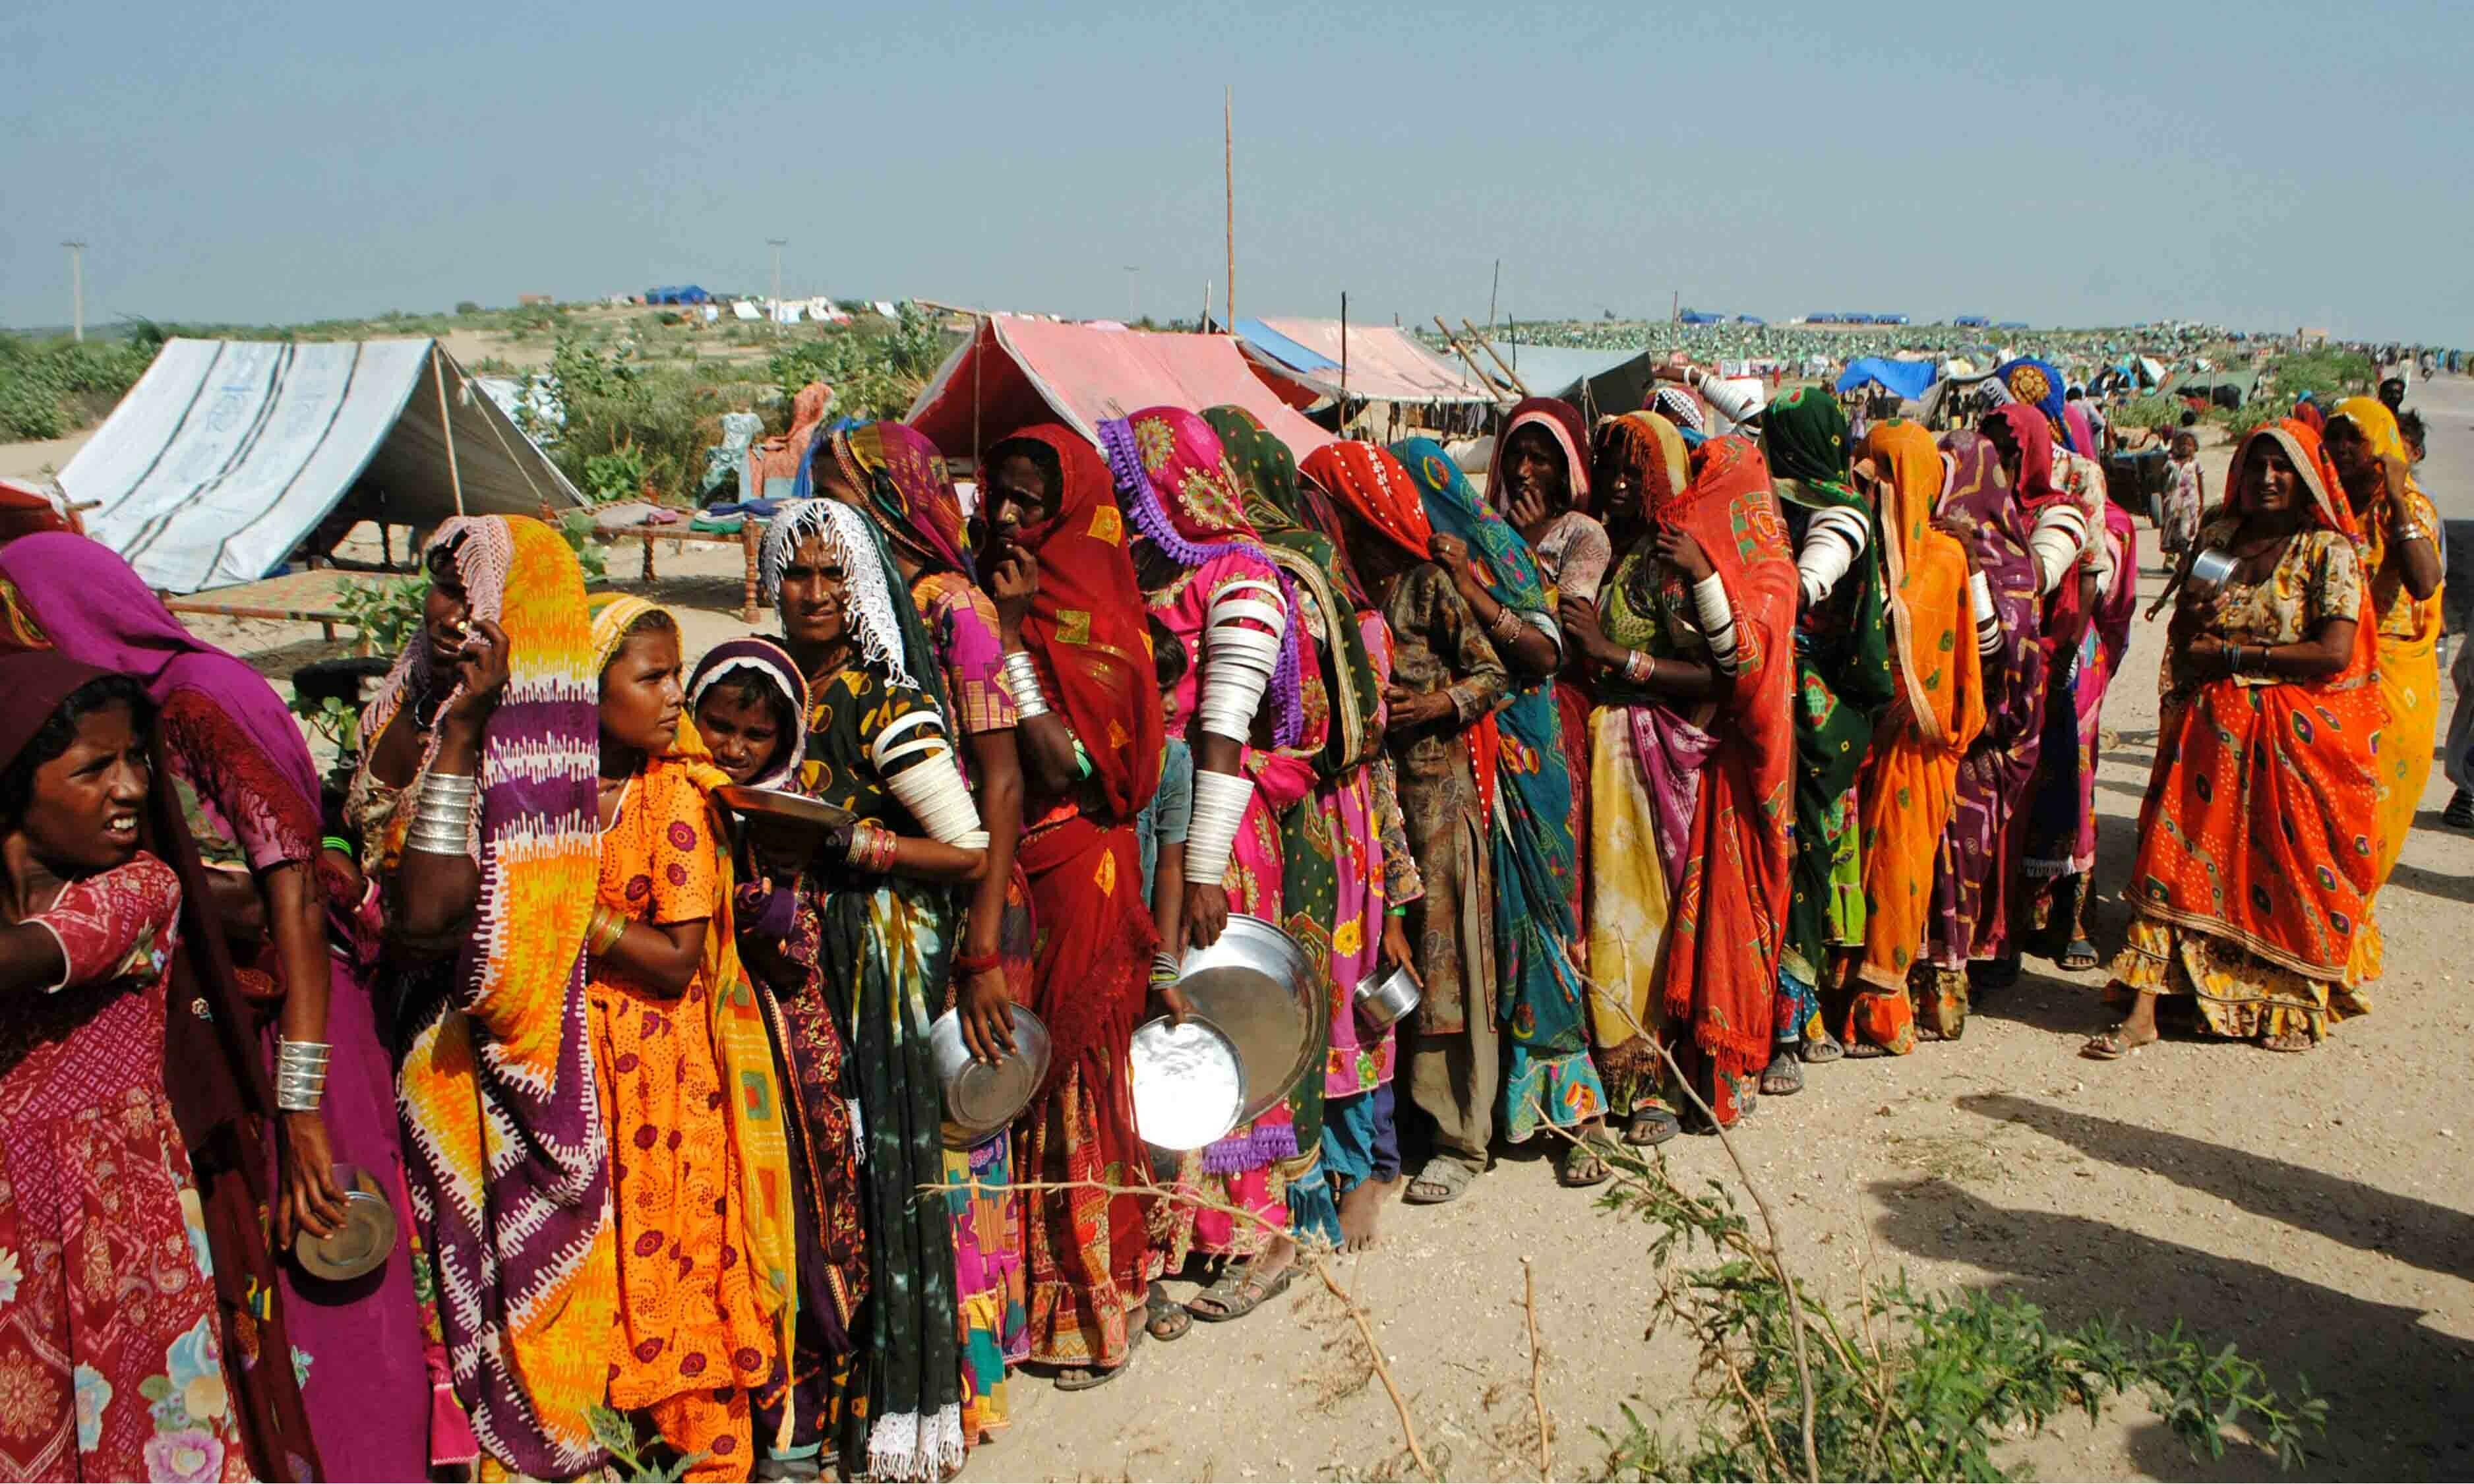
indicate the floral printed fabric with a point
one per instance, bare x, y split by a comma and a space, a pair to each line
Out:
111, 1367
689, 1319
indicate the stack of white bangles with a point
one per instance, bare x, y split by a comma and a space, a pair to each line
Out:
1240, 660
1219, 801
1717, 620
931, 784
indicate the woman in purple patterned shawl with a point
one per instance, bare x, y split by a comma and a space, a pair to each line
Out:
1974, 890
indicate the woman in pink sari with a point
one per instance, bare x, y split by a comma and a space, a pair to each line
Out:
1243, 701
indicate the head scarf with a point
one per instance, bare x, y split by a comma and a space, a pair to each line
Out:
1571, 435
1979, 493
2035, 438
2082, 431
1679, 407
1174, 481
2371, 417
900, 480
1912, 474
94, 608
613, 615
2306, 411
1654, 452
1268, 472
520, 1227
786, 458
878, 629
2304, 449
1088, 629
1804, 436
2038, 385
1374, 484
759, 656
36, 681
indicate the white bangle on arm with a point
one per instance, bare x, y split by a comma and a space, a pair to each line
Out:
1219, 801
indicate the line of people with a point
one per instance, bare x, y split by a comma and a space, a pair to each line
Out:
1669, 766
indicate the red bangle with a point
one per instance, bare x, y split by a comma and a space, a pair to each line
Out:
978, 963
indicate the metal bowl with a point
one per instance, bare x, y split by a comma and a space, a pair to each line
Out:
1384, 999
783, 804
1189, 1083
361, 1244
2210, 568
1253, 986
981, 1099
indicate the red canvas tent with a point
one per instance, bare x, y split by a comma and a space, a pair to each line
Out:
1017, 372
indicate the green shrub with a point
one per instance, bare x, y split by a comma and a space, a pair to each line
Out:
2149, 411
50, 388
467, 307
875, 370
2239, 422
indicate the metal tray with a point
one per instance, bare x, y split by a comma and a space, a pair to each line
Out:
1254, 987
785, 805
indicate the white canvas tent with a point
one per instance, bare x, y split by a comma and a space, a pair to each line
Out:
226, 453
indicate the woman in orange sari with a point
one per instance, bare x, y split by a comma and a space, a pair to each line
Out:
2259, 840
2401, 555
1910, 781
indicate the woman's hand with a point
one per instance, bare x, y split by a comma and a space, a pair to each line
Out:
1525, 510
986, 1009
2207, 653
480, 676
1206, 912
1172, 1002
1012, 583
1417, 710
1396, 949
1682, 551
1451, 555
1579, 618
1667, 372
310, 1200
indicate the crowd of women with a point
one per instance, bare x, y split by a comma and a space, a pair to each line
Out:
1670, 766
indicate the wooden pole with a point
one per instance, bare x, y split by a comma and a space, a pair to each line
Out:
1461, 351
1489, 347
1228, 177
1494, 289
1203, 326
1343, 346
447, 423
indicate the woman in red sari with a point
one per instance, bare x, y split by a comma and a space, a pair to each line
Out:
2259, 840
1727, 552
1077, 663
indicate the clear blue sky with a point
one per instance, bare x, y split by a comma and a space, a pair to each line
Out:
2076, 165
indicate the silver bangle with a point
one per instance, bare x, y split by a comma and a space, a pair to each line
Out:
441, 821
301, 1075
1021, 678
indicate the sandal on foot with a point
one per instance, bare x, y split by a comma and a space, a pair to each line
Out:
1164, 1319
2288, 1042
1442, 1181
2459, 813
1650, 1126
1782, 1078
2080, 957
1092, 1377
1820, 1051
1239, 1293
1862, 1051
2110, 1046
1584, 1164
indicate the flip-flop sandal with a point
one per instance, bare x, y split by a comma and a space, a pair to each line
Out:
1650, 1126
2080, 956
1239, 1293
1447, 1179
2289, 1043
1092, 1377
1820, 1051
1782, 1078
1862, 1051
2109, 1046
1164, 1319
1584, 1166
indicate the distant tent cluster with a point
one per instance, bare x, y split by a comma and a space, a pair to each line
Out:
678, 294
1972, 321
1853, 317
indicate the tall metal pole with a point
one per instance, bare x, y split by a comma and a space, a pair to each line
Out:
777, 244
77, 290
1229, 175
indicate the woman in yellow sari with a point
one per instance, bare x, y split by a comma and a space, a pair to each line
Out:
2401, 567
1911, 782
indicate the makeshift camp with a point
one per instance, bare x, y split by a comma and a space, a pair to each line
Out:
1910, 379
1601, 383
227, 454
1381, 363
1014, 371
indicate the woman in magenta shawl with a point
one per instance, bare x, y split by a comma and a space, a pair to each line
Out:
250, 783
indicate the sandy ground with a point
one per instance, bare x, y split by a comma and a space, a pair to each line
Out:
2313, 1209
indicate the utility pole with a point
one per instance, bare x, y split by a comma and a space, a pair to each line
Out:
1130, 270
777, 244
77, 290
1491, 290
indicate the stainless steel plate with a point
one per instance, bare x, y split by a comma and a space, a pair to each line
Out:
981, 1099
1253, 986
1189, 1083
783, 804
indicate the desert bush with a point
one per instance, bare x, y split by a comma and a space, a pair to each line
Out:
2149, 411
876, 371
51, 388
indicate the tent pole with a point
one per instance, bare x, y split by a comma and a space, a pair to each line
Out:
1229, 178
446, 423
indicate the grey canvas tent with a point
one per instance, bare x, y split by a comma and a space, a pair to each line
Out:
1599, 383
226, 453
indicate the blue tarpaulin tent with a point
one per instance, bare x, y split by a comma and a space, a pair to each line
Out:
677, 294
1910, 379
